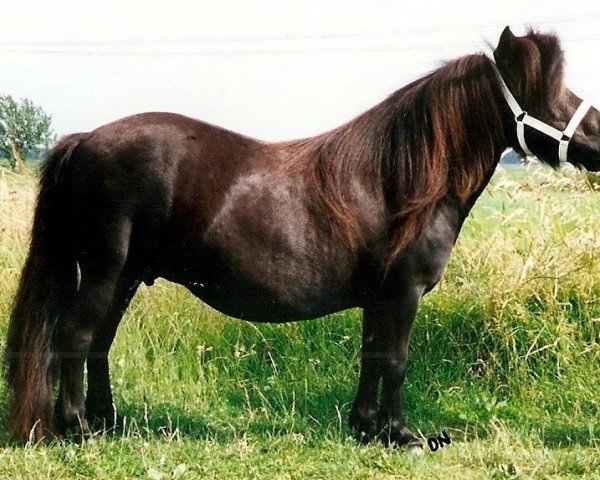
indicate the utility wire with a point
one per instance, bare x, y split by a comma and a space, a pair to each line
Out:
309, 36
75, 47
265, 51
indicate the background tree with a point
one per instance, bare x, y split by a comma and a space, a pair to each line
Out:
24, 130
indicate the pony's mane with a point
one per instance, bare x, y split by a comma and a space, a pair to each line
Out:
438, 136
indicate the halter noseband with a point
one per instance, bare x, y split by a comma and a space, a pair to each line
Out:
522, 118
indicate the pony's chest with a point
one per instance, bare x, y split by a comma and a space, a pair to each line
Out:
424, 261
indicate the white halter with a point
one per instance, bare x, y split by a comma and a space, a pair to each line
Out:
523, 118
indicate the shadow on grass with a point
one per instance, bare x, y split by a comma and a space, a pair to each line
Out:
169, 421
321, 412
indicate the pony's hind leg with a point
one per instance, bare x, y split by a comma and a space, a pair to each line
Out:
99, 407
101, 264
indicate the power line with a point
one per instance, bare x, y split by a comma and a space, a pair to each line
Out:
266, 51
148, 46
261, 51
309, 36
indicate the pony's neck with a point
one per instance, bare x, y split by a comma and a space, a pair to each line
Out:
441, 135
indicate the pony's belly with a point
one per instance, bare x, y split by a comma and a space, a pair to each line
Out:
259, 305
261, 291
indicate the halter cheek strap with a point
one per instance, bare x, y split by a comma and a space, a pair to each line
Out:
568, 132
522, 118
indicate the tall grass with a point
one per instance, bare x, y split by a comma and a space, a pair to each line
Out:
505, 355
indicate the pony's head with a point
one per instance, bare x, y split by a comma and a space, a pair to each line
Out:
550, 121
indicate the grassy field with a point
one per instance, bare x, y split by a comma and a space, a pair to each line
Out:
505, 358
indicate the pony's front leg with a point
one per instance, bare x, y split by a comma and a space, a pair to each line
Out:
363, 416
386, 332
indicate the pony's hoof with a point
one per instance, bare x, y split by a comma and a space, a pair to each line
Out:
77, 432
106, 424
363, 423
81, 436
415, 449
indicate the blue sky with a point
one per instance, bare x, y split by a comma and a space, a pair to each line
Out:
273, 70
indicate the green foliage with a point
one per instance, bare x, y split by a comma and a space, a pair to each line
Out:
24, 129
505, 356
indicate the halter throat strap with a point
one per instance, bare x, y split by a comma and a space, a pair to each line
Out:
522, 118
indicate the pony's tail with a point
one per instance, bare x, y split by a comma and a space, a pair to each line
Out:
47, 287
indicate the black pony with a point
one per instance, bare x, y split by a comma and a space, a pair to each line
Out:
363, 216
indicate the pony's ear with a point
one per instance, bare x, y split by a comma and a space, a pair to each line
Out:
506, 45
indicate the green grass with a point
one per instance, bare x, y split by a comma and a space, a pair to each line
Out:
505, 356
